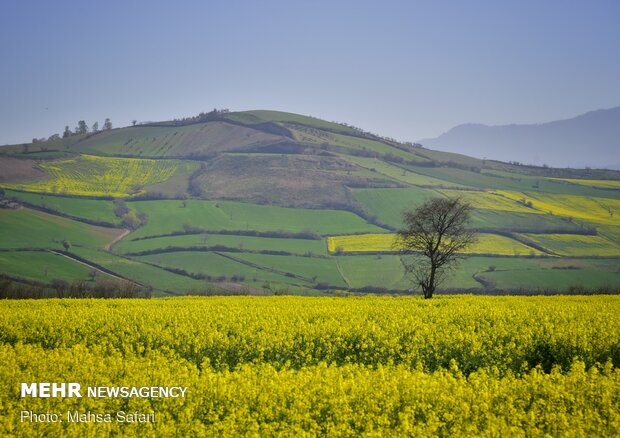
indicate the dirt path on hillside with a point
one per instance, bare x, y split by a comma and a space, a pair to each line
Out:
96, 268
121, 236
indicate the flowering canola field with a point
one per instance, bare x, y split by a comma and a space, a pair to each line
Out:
487, 244
91, 175
381, 366
600, 183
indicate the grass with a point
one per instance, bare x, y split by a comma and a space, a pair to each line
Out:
215, 265
179, 141
90, 175
170, 216
388, 205
246, 243
90, 209
576, 245
142, 273
41, 266
25, 228
551, 279
522, 222
384, 271
398, 173
262, 116
314, 269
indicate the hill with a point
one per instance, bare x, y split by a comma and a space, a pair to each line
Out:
590, 139
266, 201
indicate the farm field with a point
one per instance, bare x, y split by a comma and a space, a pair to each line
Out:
219, 265
25, 228
171, 216
90, 175
214, 202
314, 270
388, 204
241, 243
89, 209
597, 183
41, 266
162, 281
597, 210
487, 219
385, 271
487, 244
396, 172
576, 245
542, 280
455, 365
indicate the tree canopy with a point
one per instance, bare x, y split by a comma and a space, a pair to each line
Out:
436, 233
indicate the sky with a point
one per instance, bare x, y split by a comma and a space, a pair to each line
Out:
403, 69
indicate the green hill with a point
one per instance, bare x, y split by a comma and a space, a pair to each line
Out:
251, 198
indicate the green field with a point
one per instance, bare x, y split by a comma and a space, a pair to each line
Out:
171, 216
216, 265
388, 204
242, 243
558, 280
398, 172
576, 245
42, 266
384, 271
142, 273
89, 209
312, 269
25, 228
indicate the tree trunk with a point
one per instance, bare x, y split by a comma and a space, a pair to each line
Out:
428, 291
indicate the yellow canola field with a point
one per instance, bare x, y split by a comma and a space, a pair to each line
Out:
380, 366
598, 183
91, 175
600, 210
487, 244
492, 200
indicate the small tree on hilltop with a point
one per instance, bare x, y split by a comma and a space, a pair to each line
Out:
436, 234
82, 127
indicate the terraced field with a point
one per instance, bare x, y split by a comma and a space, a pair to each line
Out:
221, 206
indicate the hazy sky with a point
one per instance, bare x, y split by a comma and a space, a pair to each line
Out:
405, 69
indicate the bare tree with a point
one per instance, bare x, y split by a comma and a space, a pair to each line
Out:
436, 234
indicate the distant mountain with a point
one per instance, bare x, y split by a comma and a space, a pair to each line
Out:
591, 139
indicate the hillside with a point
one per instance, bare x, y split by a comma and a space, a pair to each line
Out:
267, 201
590, 139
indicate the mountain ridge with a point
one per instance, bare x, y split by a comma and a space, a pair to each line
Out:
586, 140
